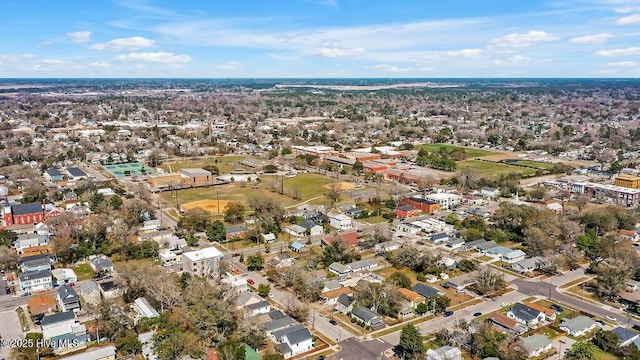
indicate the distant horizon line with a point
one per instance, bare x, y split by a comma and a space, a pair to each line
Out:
322, 78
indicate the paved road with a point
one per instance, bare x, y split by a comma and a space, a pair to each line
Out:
356, 349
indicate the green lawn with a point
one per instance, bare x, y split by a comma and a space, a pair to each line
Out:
471, 152
374, 220
535, 164
310, 185
492, 169
84, 272
601, 355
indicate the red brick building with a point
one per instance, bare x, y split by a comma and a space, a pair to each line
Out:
406, 211
427, 206
23, 214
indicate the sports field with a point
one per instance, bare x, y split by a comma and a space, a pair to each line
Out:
471, 152
535, 164
209, 205
492, 169
127, 169
224, 163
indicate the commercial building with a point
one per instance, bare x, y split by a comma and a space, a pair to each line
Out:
628, 181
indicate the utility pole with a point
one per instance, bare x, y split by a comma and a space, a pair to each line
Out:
218, 197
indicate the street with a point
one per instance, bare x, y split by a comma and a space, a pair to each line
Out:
10, 329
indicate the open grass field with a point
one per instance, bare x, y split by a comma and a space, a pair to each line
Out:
534, 164
491, 169
224, 163
310, 185
471, 152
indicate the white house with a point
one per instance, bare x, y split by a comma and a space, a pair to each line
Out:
293, 340
513, 256
489, 193
578, 326
168, 257
296, 230
268, 238
64, 276
387, 246
340, 221
32, 281
203, 262
312, 228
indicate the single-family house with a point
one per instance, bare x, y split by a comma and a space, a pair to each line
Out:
169, 258
75, 173
33, 281
41, 304
245, 298
578, 326
406, 211
235, 232
296, 230
64, 276
108, 289
150, 226
25, 241
57, 324
626, 336
497, 251
485, 246
143, 309
439, 238
425, 290
297, 246
387, 246
367, 316
631, 285
526, 266
261, 307
549, 314
363, 265
268, 238
148, 347
35, 263
462, 281
281, 261
53, 175
331, 285
412, 297
514, 256
67, 298
473, 245
100, 264
340, 221
526, 315
446, 352
331, 297
103, 353
293, 340
344, 304
90, 292
311, 228
506, 324
454, 243
277, 322
489, 193
536, 345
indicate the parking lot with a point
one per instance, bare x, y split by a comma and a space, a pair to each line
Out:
10, 329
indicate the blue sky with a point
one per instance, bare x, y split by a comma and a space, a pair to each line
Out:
320, 38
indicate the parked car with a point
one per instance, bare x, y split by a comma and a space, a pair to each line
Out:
447, 313
612, 318
446, 286
250, 281
333, 322
477, 314
557, 308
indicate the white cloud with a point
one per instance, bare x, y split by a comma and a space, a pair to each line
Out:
28, 56
591, 39
462, 53
513, 60
154, 57
391, 68
131, 43
79, 36
335, 52
100, 64
53, 61
234, 65
629, 20
622, 64
618, 52
523, 40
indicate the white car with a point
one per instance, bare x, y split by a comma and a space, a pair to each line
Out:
504, 304
612, 318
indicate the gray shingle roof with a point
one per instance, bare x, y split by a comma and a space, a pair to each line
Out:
624, 334
67, 293
31, 275
299, 336
425, 290
75, 172
28, 208
535, 342
59, 317
279, 334
578, 323
258, 305
364, 313
345, 300
522, 311
279, 323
